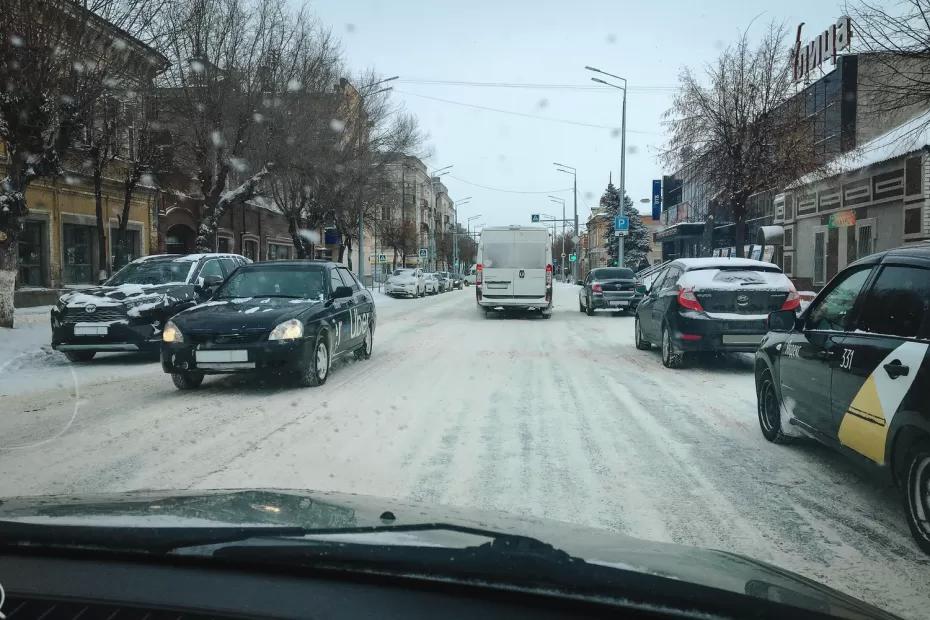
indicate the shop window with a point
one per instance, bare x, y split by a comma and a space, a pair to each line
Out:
278, 251
133, 246
865, 235
897, 302
250, 249
913, 173
31, 255
912, 220
820, 256
77, 243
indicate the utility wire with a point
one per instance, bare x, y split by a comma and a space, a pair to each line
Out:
654, 88
509, 191
524, 114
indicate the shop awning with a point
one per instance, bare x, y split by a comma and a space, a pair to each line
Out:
684, 229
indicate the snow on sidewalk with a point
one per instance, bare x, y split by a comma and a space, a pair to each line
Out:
28, 343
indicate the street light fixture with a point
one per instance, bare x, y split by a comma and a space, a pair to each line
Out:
574, 172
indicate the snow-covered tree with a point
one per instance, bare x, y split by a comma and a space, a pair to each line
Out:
637, 244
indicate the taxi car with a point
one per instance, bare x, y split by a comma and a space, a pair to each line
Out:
853, 372
280, 317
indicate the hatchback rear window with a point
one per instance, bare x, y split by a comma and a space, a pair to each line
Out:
734, 279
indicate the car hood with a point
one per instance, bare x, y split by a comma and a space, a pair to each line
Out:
219, 315
138, 297
320, 510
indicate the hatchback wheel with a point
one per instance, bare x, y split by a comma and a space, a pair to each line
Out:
588, 308
670, 357
769, 408
917, 494
80, 356
642, 345
187, 380
316, 369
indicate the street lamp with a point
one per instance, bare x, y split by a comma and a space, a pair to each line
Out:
622, 145
455, 231
574, 172
561, 201
433, 180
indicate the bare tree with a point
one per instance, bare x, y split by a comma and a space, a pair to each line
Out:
739, 132
399, 235
897, 79
55, 59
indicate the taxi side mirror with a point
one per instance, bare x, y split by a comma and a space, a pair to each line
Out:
342, 292
782, 320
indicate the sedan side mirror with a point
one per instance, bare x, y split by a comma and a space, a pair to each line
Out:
342, 292
208, 284
782, 320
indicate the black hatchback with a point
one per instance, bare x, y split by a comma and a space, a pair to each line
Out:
278, 317
128, 311
711, 304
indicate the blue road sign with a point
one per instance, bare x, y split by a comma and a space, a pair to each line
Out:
534, 218
621, 223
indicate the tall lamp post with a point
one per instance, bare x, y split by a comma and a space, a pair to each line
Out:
572, 171
455, 232
468, 224
622, 146
361, 216
433, 180
561, 201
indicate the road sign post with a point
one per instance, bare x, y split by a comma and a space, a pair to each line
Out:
621, 229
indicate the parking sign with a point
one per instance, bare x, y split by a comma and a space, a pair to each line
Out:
621, 225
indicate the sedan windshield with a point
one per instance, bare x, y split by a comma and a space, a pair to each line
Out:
298, 281
151, 272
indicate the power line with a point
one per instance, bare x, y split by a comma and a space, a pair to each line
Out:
509, 191
529, 85
524, 114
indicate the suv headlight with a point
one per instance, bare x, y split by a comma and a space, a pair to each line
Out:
288, 330
171, 333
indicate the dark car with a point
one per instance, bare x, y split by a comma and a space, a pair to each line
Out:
291, 317
853, 372
458, 281
128, 311
711, 304
445, 281
610, 288
268, 553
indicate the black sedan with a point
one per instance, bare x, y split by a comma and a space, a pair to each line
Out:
711, 304
610, 288
128, 311
280, 317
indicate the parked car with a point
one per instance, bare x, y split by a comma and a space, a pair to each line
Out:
445, 281
514, 269
432, 283
472, 276
281, 317
610, 288
128, 311
853, 372
711, 304
458, 281
406, 281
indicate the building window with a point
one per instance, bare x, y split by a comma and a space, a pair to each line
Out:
278, 251
913, 170
789, 237
222, 244
250, 249
789, 264
77, 250
865, 237
912, 220
31, 255
133, 246
820, 256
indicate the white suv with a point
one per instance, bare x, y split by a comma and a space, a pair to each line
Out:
407, 281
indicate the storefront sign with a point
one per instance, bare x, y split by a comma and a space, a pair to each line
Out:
841, 219
806, 58
656, 199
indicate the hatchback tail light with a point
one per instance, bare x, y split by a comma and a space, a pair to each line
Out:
793, 302
596, 288
479, 274
687, 299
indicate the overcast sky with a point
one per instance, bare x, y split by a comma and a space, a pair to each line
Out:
544, 43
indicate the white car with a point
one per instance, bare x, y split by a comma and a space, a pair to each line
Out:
472, 275
431, 283
406, 281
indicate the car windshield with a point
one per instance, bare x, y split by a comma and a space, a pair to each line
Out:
577, 266
614, 274
151, 272
297, 281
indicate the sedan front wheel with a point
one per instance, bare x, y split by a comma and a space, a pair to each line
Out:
316, 371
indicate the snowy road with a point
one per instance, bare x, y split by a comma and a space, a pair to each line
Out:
562, 419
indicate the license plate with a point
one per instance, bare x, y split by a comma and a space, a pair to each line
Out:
742, 338
619, 303
221, 356
90, 330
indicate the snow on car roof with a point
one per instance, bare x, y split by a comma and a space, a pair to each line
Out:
712, 262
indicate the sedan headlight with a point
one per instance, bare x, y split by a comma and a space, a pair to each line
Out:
288, 330
171, 333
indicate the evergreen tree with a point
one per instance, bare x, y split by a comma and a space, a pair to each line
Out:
637, 243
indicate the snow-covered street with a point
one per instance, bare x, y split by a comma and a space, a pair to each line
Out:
560, 418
